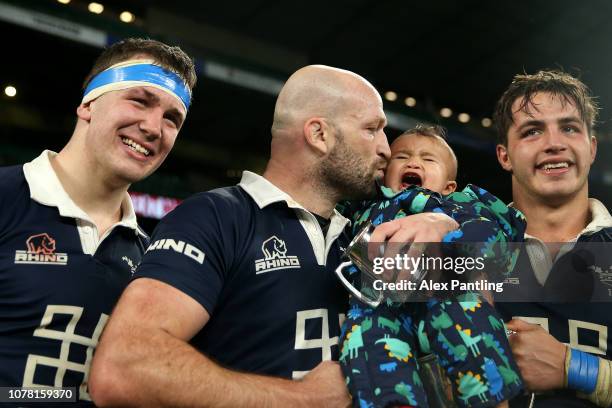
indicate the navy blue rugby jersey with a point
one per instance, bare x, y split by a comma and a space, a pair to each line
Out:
55, 298
580, 283
260, 266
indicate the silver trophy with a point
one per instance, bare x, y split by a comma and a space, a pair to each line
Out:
358, 255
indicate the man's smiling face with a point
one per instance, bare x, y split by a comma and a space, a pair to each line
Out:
549, 150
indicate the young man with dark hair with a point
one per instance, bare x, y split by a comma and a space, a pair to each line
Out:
69, 241
545, 123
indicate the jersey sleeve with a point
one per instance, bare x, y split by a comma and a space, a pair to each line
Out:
192, 249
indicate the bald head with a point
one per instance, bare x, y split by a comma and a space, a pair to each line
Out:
328, 138
318, 91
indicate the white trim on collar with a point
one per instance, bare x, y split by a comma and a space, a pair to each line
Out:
46, 189
600, 218
264, 193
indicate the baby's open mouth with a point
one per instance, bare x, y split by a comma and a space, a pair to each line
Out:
411, 179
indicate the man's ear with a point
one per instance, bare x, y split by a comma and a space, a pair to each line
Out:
317, 134
84, 111
503, 158
593, 148
450, 187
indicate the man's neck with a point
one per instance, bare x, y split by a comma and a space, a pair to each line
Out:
302, 188
555, 223
100, 201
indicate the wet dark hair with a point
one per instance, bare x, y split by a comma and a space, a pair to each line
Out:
434, 131
557, 83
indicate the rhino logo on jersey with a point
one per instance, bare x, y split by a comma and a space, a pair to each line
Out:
40, 251
274, 247
41, 244
275, 256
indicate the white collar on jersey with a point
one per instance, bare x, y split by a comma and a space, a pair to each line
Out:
265, 193
46, 189
600, 218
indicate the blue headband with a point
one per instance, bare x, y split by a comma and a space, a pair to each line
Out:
141, 75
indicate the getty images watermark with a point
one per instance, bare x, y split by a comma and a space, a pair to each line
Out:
406, 272
403, 272
375, 272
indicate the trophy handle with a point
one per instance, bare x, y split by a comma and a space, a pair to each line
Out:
352, 289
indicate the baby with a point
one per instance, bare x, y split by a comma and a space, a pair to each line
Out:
381, 346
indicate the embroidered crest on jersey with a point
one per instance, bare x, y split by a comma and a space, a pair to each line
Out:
605, 276
275, 256
512, 281
40, 251
130, 263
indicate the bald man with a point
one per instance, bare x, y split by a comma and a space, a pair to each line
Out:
236, 297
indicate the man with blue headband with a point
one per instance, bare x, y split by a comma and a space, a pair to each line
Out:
69, 240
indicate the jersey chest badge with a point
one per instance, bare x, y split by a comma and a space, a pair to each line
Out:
129, 263
604, 275
40, 251
275, 256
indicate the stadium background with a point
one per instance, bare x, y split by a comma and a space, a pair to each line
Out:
422, 57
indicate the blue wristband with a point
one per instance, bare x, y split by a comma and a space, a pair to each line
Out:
573, 371
593, 373
583, 371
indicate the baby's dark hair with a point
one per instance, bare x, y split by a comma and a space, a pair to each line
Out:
438, 133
